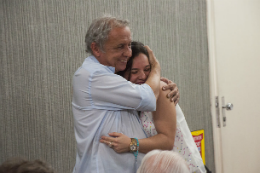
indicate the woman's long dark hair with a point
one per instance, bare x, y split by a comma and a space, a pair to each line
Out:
137, 48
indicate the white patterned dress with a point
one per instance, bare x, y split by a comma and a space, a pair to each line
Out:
183, 144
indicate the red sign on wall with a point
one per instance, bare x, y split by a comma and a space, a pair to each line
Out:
198, 137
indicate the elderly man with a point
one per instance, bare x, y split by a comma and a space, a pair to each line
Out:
164, 162
104, 102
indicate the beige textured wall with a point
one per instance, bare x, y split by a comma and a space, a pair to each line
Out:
42, 44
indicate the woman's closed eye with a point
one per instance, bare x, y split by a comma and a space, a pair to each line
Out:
147, 69
134, 71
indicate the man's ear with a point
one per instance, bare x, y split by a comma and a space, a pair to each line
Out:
95, 49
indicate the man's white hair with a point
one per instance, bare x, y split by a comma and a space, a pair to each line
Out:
158, 161
99, 30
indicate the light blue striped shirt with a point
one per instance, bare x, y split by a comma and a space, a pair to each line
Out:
104, 102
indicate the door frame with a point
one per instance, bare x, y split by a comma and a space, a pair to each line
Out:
218, 156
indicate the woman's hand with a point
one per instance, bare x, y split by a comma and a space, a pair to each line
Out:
153, 60
174, 94
117, 141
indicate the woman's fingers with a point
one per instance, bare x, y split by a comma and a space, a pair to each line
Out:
107, 138
118, 141
111, 144
152, 57
115, 134
110, 141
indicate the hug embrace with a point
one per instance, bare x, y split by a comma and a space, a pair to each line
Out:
123, 109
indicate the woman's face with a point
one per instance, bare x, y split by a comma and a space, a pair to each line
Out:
140, 69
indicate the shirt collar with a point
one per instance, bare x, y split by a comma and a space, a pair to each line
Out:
95, 60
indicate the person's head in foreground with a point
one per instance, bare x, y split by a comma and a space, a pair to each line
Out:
158, 161
109, 40
138, 66
20, 165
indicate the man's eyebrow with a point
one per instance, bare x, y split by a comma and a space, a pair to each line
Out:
121, 44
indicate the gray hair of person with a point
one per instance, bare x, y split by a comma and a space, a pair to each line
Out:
99, 30
164, 162
21, 165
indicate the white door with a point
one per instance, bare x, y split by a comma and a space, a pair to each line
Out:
235, 31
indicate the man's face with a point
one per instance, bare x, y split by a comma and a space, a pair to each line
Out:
117, 48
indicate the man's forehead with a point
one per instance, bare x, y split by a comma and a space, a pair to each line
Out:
119, 35
120, 31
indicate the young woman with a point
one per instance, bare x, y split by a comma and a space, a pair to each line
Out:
159, 125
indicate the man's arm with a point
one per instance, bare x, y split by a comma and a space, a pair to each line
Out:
94, 87
125, 95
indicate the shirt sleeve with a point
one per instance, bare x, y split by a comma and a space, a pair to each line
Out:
117, 92
111, 92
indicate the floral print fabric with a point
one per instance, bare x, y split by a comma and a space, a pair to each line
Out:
183, 144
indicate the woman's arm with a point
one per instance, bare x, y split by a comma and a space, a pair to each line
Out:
154, 76
165, 124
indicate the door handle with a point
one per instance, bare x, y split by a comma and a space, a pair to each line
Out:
228, 107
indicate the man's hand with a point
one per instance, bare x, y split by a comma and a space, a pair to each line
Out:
174, 94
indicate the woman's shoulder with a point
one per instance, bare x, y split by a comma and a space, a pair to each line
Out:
163, 92
162, 84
